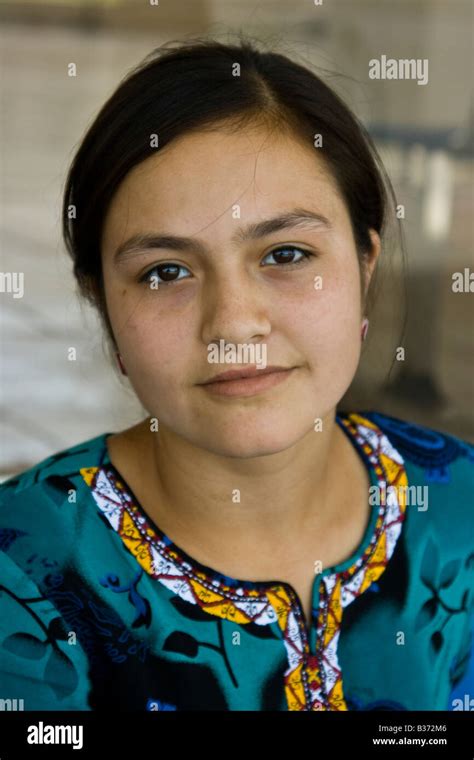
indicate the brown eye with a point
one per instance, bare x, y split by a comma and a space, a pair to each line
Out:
285, 255
166, 273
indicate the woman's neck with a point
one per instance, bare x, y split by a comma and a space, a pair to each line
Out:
268, 508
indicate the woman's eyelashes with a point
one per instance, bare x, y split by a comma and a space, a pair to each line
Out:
167, 270
165, 273
282, 249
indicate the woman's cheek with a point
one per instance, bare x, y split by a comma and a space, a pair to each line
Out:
317, 313
330, 328
156, 351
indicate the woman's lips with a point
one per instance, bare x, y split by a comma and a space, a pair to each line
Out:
247, 386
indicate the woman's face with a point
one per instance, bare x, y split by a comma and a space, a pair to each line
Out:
304, 312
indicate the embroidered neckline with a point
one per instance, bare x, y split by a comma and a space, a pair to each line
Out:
313, 679
233, 587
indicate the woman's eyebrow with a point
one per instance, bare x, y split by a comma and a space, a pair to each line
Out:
290, 219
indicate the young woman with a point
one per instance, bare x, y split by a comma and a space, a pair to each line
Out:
247, 545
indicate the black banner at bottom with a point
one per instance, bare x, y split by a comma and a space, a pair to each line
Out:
379, 734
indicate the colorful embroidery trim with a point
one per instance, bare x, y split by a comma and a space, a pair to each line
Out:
313, 681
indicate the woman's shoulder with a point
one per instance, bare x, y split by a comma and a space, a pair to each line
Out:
43, 531
53, 480
434, 478
44, 510
439, 457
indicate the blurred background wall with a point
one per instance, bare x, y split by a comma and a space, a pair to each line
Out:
423, 132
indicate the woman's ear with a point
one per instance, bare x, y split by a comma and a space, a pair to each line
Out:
370, 259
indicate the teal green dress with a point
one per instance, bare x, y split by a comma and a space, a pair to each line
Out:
99, 609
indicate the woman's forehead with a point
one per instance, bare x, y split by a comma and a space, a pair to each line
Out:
195, 183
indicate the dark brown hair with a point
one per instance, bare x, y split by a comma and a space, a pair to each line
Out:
191, 85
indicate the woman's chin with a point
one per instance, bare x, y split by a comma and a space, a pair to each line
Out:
249, 446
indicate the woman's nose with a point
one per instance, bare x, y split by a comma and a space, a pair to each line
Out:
234, 310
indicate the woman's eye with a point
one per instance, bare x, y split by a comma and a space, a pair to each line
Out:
164, 273
168, 272
285, 255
